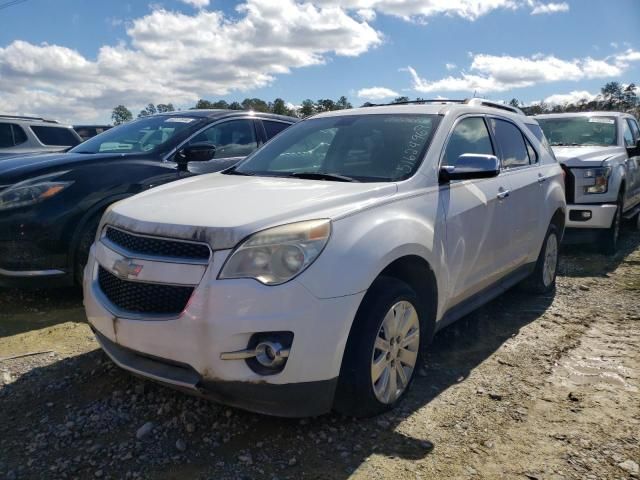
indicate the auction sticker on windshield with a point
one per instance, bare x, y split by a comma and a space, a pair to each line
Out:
608, 121
178, 120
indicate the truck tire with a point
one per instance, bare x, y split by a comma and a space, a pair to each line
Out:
609, 238
384, 349
543, 278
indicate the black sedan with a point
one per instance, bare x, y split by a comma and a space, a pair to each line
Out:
50, 205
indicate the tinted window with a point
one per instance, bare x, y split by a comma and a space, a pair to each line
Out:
6, 136
542, 138
236, 138
374, 148
19, 136
634, 128
470, 135
273, 128
55, 136
511, 146
533, 155
628, 136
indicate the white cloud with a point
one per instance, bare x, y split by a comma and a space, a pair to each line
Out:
571, 97
376, 93
178, 58
450, 66
420, 10
546, 8
197, 3
492, 73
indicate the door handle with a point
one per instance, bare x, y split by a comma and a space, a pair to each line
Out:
541, 178
503, 194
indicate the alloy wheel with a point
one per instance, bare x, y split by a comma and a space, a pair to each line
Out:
395, 352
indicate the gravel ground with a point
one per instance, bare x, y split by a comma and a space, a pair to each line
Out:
526, 388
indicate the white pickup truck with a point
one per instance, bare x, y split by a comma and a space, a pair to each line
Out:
601, 155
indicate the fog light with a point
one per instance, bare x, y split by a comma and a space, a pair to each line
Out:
580, 215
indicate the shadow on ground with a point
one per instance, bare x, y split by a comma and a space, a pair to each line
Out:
25, 310
585, 260
108, 405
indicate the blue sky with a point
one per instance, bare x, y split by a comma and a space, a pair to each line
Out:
76, 59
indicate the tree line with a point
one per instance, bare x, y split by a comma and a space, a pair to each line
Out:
613, 96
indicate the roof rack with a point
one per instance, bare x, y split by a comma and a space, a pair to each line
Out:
479, 102
418, 102
23, 117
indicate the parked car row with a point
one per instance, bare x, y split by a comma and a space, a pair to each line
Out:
313, 274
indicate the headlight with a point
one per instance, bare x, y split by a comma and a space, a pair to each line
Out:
278, 254
32, 191
600, 179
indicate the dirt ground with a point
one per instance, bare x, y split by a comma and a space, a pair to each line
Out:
525, 388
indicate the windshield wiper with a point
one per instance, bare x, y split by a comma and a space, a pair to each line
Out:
323, 176
560, 144
234, 171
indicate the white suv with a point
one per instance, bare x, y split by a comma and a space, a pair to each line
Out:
314, 274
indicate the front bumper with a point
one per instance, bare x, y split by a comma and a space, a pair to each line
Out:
221, 316
599, 215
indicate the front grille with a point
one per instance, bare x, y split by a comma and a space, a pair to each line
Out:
140, 297
157, 246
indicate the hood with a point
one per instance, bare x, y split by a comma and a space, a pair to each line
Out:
586, 156
223, 209
14, 169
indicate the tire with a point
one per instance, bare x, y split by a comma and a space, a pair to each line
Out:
357, 394
81, 253
543, 278
609, 238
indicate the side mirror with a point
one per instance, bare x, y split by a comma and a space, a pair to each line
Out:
470, 166
196, 152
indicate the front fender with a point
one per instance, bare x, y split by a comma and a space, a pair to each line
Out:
363, 245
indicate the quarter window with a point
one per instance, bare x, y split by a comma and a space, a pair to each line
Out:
470, 135
513, 151
236, 138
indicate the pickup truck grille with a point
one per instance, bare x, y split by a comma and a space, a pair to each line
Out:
160, 247
570, 185
138, 297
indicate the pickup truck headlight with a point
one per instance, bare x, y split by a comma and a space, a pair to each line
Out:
600, 178
278, 254
32, 191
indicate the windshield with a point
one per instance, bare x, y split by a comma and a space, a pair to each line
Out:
365, 148
143, 135
577, 131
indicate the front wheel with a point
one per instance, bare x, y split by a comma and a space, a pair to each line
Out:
609, 238
543, 278
383, 350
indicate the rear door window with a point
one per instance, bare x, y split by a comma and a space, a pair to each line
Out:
470, 135
273, 128
6, 135
511, 147
627, 135
57, 136
542, 138
633, 125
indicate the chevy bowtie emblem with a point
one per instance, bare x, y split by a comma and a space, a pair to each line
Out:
126, 268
